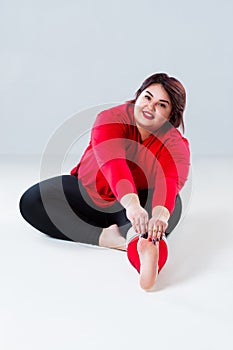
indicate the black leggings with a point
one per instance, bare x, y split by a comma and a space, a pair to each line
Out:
61, 208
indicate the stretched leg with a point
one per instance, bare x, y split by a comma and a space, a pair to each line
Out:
145, 256
149, 257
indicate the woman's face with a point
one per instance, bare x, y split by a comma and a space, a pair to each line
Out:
152, 108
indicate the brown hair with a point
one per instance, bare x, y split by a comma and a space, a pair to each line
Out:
175, 91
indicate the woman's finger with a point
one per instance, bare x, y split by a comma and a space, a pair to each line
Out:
155, 232
159, 231
150, 232
143, 227
137, 227
143, 223
140, 223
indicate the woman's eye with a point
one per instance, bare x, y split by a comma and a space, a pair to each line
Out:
163, 105
147, 97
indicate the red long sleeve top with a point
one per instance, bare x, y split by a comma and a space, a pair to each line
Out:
117, 162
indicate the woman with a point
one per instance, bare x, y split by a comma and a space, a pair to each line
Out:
128, 179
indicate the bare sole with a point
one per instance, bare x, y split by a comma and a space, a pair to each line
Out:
148, 254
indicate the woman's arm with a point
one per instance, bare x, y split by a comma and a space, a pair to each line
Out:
171, 175
109, 139
171, 171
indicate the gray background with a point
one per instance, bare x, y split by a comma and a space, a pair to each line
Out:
60, 57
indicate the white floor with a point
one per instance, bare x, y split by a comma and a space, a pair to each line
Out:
64, 295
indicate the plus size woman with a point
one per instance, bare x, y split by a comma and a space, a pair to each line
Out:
127, 182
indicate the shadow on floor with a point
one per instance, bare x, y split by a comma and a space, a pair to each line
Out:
194, 246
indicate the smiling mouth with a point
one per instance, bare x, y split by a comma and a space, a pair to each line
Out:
148, 115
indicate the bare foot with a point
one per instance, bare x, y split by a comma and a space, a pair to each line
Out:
111, 238
148, 254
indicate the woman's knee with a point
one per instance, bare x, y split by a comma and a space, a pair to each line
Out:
176, 215
28, 201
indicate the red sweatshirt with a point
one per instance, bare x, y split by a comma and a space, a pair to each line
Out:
118, 162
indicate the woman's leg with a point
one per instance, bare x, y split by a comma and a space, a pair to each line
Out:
57, 208
148, 258
175, 216
53, 207
33, 211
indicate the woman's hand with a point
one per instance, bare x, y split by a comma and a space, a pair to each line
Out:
137, 215
158, 223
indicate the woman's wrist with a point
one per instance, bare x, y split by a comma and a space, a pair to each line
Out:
129, 200
161, 212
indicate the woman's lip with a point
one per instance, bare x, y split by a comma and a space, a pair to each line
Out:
148, 115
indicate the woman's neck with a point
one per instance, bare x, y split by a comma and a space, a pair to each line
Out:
143, 133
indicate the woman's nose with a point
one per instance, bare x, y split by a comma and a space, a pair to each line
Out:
152, 106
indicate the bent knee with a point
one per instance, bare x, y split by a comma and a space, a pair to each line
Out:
28, 201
